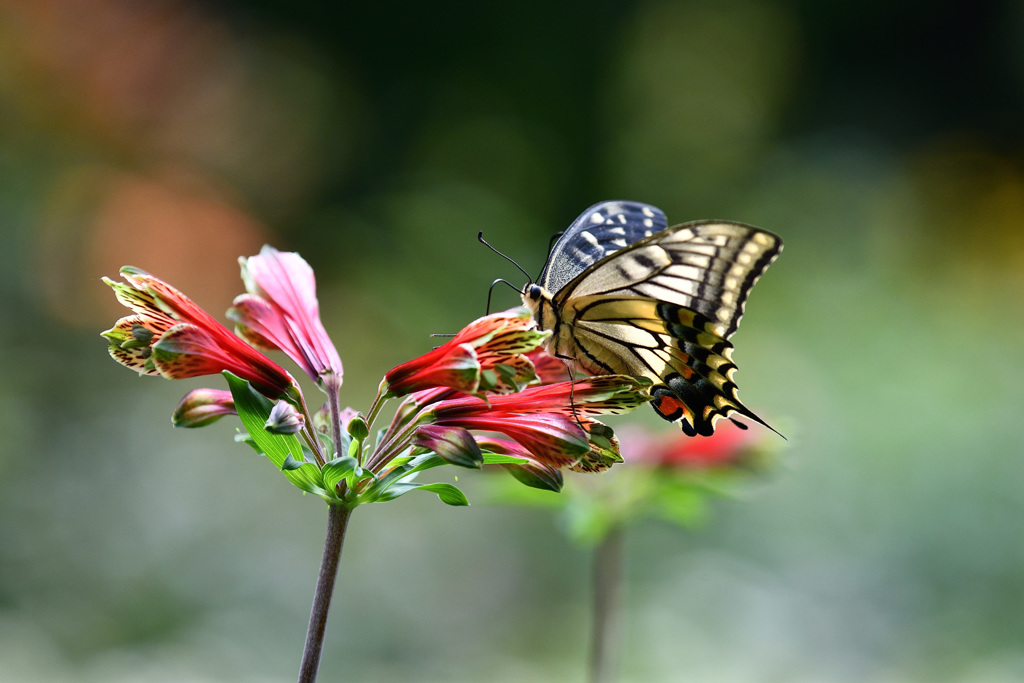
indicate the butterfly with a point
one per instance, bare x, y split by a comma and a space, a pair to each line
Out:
623, 293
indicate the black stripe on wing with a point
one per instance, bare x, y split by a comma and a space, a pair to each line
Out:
675, 347
708, 267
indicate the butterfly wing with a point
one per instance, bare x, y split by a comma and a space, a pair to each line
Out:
664, 308
599, 231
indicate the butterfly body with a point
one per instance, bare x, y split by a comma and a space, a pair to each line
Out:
623, 293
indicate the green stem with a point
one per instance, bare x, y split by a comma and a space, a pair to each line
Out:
607, 586
337, 523
309, 433
334, 405
400, 436
378, 403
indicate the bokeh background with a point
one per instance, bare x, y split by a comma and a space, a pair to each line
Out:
882, 140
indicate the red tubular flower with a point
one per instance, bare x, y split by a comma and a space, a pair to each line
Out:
551, 421
281, 311
476, 382
488, 354
603, 394
549, 369
550, 439
452, 366
169, 335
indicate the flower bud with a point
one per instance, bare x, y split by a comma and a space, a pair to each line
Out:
455, 444
284, 419
201, 407
356, 425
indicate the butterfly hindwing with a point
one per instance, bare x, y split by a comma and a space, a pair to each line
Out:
676, 348
662, 307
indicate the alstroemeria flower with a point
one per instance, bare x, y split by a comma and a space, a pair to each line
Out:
601, 394
281, 312
549, 369
201, 407
169, 335
475, 385
488, 354
552, 439
551, 422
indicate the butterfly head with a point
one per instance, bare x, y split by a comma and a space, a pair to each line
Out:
538, 300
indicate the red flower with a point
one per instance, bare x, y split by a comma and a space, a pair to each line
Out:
475, 383
602, 394
550, 438
281, 311
488, 354
549, 369
171, 336
551, 421
728, 446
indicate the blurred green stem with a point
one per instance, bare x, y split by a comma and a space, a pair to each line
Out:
607, 586
337, 523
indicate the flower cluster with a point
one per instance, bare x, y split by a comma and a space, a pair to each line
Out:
490, 395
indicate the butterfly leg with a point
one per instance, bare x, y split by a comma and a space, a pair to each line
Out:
570, 367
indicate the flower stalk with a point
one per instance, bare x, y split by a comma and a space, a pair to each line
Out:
337, 525
607, 586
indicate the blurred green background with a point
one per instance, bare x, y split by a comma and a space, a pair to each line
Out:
882, 140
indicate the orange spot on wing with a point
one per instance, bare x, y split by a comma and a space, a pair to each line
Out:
669, 406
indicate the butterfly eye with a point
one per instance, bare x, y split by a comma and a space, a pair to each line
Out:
534, 292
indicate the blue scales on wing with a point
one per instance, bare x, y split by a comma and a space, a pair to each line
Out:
599, 231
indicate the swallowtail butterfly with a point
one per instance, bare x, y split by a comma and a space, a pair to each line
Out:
623, 293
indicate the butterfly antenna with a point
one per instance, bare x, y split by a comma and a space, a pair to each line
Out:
484, 242
491, 289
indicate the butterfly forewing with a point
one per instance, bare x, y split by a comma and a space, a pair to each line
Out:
599, 231
708, 267
662, 306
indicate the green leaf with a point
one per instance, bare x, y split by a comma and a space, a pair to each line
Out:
399, 472
488, 379
448, 493
502, 459
338, 470
291, 463
392, 492
284, 450
307, 477
399, 478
